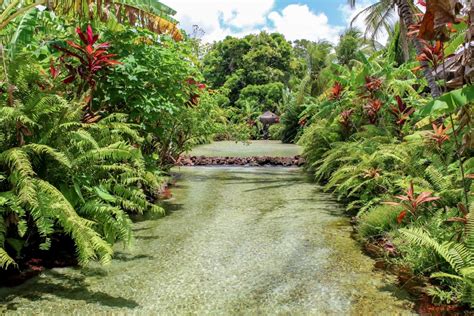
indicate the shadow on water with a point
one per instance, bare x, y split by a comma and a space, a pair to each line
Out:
286, 180
268, 187
120, 256
136, 230
169, 208
72, 288
151, 237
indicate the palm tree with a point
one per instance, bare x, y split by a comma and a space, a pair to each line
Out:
378, 17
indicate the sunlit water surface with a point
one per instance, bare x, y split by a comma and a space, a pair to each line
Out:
255, 148
239, 241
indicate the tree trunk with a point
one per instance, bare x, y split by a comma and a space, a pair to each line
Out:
406, 15
404, 45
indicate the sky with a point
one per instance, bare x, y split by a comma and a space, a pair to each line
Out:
296, 19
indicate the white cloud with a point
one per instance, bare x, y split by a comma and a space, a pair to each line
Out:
299, 22
238, 16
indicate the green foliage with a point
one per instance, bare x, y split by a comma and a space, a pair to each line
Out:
250, 74
368, 155
71, 190
275, 131
377, 221
157, 86
64, 179
316, 141
349, 48
459, 256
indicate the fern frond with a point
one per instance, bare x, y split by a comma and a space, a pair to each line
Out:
48, 151
116, 152
21, 172
457, 255
12, 115
85, 139
443, 275
5, 259
437, 179
113, 222
88, 242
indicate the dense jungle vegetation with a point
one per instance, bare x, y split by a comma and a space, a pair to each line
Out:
96, 106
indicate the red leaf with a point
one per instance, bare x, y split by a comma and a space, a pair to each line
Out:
401, 216
431, 199
76, 46
402, 197
90, 35
69, 79
103, 45
53, 71
427, 26
89, 49
113, 62
438, 14
457, 220
81, 35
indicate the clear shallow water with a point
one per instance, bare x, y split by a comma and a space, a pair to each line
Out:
239, 241
256, 148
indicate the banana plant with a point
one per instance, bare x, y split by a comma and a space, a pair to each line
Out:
145, 13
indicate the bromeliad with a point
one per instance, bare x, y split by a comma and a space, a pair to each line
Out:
346, 120
402, 112
439, 135
433, 55
373, 84
372, 110
411, 202
93, 58
336, 91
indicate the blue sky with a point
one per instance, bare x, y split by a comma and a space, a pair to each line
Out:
329, 7
296, 19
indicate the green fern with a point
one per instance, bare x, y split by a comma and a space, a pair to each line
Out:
459, 256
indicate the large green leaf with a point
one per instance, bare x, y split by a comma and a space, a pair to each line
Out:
457, 40
449, 102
